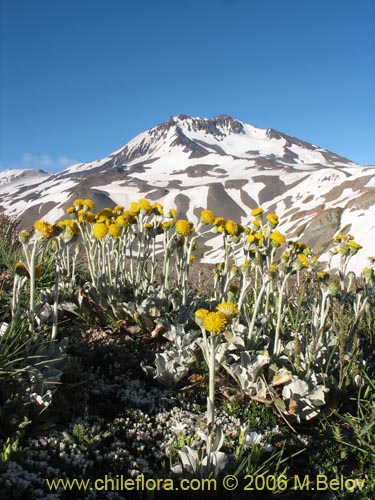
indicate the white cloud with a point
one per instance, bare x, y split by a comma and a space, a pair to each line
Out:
43, 161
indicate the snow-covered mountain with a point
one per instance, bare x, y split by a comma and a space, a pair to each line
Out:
222, 164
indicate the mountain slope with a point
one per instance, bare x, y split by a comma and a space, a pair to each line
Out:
222, 164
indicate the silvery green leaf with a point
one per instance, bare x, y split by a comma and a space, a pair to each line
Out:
295, 389
218, 439
189, 459
214, 463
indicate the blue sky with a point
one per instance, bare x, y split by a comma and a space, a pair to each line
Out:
80, 78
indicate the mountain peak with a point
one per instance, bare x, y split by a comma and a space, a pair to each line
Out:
220, 163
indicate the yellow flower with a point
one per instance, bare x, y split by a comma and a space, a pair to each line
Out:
277, 238
69, 229
125, 219
135, 208
172, 213
102, 218
207, 217
44, 228
106, 212
273, 220
259, 238
114, 230
368, 273
322, 275
231, 228
272, 270
234, 271
90, 217
192, 258
82, 215
78, 203
303, 261
99, 230
157, 208
250, 238
70, 210
245, 268
257, 212
216, 322
354, 247
39, 225
118, 209
184, 227
200, 314
340, 237
255, 225
71, 226
219, 222
145, 205
228, 308
344, 249
167, 225
88, 204
286, 256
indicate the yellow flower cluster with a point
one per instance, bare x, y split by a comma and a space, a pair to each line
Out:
44, 228
216, 322
347, 245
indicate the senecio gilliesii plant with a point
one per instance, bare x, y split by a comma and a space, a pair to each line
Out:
286, 326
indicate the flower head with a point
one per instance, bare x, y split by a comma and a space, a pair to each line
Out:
99, 230
44, 228
135, 208
273, 220
368, 273
340, 237
157, 208
272, 270
88, 204
207, 217
145, 205
166, 225
231, 228
69, 228
78, 203
322, 275
200, 314
302, 261
354, 247
172, 213
184, 227
125, 219
118, 209
114, 230
228, 308
216, 322
277, 238
257, 212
